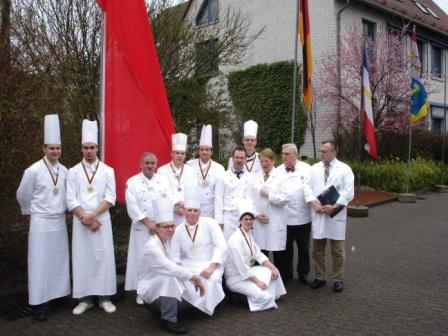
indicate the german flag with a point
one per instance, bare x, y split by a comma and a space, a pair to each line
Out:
307, 59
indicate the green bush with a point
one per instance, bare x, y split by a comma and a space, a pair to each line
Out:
264, 93
390, 175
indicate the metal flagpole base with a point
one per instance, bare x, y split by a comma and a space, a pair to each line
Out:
407, 198
358, 211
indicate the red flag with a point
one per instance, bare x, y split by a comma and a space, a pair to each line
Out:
366, 106
307, 52
136, 114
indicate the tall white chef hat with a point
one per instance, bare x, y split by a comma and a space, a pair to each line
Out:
246, 206
89, 132
179, 142
206, 136
163, 209
52, 132
250, 128
192, 197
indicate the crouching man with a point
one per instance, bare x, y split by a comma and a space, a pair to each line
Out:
162, 282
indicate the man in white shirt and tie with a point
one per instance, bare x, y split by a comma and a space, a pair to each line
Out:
326, 224
41, 195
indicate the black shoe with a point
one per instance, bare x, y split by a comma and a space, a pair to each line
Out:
175, 328
40, 313
317, 284
338, 286
303, 280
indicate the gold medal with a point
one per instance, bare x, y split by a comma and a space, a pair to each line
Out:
252, 262
55, 191
90, 189
193, 248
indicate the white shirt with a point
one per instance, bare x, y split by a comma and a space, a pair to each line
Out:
178, 181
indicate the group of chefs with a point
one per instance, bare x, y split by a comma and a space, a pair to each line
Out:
196, 226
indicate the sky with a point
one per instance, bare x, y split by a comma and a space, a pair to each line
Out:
442, 4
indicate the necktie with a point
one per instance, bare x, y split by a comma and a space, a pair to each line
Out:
327, 171
292, 169
266, 176
238, 174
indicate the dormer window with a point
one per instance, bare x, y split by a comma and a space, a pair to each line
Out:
208, 12
425, 9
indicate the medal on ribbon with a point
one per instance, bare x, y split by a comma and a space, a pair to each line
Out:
178, 176
204, 183
193, 238
53, 178
90, 188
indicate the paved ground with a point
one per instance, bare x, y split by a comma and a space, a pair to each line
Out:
396, 284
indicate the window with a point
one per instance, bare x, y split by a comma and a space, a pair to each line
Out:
436, 124
208, 12
436, 61
207, 57
421, 54
368, 30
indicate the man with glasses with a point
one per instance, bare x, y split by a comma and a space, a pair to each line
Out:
329, 220
162, 282
90, 194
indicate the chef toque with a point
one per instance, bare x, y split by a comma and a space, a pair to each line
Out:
250, 128
206, 136
89, 132
52, 132
179, 142
192, 197
163, 209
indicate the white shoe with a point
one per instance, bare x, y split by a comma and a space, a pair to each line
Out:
108, 306
82, 307
139, 300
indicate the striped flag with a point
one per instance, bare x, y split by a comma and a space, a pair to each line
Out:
307, 59
419, 97
366, 106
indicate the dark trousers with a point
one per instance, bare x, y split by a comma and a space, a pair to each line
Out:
283, 259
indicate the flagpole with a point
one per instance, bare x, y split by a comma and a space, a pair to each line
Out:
294, 84
444, 121
101, 117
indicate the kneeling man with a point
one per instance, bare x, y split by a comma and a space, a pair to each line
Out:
161, 281
199, 246
261, 284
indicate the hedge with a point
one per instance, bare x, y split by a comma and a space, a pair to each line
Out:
264, 93
390, 175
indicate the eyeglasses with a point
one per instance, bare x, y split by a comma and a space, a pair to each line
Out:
168, 227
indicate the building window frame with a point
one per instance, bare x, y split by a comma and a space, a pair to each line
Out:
436, 61
208, 13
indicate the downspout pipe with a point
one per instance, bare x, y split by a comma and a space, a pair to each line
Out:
338, 49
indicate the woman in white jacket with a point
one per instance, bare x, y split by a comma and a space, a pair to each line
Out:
261, 284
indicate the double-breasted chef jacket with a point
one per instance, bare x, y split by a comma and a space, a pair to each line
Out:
139, 194
177, 181
230, 190
207, 176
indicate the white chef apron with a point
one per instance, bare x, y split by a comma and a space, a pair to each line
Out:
48, 259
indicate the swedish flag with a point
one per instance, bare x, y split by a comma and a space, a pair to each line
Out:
419, 100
